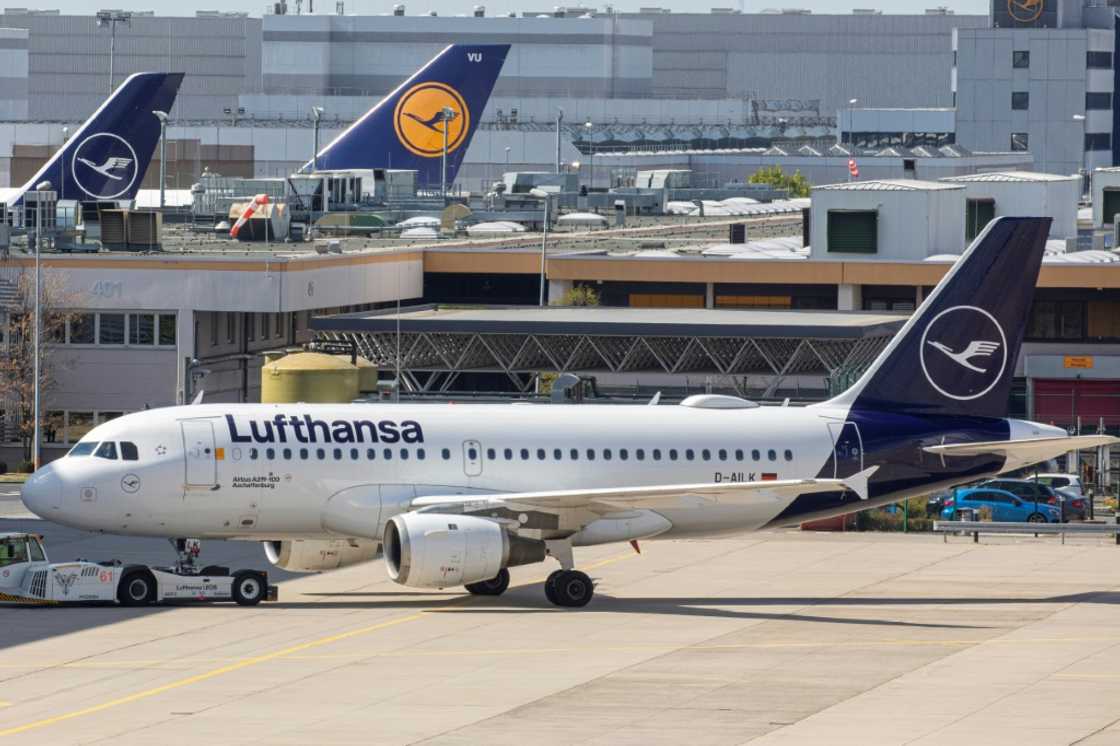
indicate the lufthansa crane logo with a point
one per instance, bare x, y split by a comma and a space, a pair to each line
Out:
420, 119
963, 352
104, 166
1025, 11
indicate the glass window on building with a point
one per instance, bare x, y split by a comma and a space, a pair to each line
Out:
110, 329
1020, 59
54, 426
853, 231
279, 331
77, 425
978, 213
167, 329
1098, 101
231, 327
81, 329
103, 417
141, 328
251, 327
1098, 141
1020, 142
1098, 60
1020, 100
1051, 319
265, 323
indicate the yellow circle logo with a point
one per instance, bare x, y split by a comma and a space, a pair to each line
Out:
1025, 11
422, 114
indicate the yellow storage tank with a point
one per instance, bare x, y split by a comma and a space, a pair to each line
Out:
367, 374
308, 377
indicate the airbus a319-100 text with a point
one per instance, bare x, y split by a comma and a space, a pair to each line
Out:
456, 494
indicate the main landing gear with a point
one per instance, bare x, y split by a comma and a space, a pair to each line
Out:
566, 587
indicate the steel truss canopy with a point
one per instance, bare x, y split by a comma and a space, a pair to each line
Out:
437, 344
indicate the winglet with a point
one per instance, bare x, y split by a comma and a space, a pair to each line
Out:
857, 483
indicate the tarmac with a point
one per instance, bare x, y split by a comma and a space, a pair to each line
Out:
783, 637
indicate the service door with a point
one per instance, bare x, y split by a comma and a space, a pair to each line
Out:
847, 449
472, 458
202, 460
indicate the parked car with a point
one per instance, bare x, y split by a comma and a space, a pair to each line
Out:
1004, 505
1032, 491
1070, 487
935, 503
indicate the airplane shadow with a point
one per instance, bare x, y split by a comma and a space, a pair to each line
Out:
530, 600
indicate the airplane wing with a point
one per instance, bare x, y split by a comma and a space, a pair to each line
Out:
614, 499
1038, 449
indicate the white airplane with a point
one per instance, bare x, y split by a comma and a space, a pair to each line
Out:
456, 494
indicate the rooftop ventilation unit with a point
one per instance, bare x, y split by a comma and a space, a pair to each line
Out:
866, 12
398, 10
940, 10
480, 11
433, 13
796, 12
725, 11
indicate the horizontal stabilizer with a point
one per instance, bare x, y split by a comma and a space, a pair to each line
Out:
1028, 450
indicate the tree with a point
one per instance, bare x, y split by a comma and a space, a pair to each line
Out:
580, 295
17, 356
795, 185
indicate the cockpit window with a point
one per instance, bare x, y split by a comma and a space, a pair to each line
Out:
37, 554
85, 448
108, 450
13, 551
129, 451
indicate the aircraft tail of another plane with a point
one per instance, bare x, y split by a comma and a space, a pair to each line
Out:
957, 353
107, 157
406, 129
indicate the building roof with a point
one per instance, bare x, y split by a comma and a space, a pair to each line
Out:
887, 185
1011, 176
699, 322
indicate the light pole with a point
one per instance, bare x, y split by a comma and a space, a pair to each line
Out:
851, 103
590, 155
507, 157
1084, 164
162, 117
547, 197
559, 121
35, 451
62, 171
111, 18
447, 116
316, 116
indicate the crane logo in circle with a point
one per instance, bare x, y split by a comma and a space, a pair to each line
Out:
963, 352
419, 119
1025, 11
104, 166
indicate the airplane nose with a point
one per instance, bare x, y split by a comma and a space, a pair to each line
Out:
42, 492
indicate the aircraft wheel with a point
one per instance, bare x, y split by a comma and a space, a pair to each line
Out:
495, 586
550, 586
573, 589
137, 589
248, 588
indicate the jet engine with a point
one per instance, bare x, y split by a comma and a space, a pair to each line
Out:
434, 550
317, 555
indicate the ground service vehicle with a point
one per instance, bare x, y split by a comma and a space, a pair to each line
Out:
28, 577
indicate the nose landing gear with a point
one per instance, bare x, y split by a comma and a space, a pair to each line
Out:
187, 552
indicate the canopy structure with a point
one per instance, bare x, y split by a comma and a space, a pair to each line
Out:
437, 345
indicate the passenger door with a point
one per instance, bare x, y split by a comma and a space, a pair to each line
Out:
201, 455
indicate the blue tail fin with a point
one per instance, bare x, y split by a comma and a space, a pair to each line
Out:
107, 157
956, 355
404, 130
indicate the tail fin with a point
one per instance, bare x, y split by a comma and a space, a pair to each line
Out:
956, 355
107, 157
405, 129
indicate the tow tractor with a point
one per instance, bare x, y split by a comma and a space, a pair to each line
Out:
27, 577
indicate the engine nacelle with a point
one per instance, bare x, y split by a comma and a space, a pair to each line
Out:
318, 555
438, 550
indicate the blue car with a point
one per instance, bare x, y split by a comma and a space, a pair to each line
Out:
1004, 506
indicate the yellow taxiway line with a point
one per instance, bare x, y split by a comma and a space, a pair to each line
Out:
245, 663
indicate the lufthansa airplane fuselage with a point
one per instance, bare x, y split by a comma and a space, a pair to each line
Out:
271, 471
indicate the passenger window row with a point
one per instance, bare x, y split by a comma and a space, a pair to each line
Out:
622, 454
336, 454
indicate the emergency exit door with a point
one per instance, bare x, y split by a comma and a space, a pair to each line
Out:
201, 456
